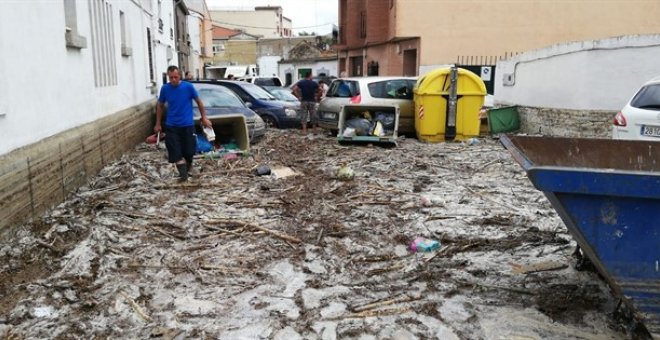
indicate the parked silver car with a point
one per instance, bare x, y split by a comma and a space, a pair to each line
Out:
372, 91
219, 100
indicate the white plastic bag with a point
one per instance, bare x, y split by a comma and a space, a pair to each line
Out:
349, 132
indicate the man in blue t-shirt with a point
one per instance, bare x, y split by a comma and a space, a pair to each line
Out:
308, 92
179, 127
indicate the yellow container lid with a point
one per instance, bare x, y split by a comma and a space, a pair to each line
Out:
437, 82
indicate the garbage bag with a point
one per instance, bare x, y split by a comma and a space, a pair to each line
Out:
378, 129
349, 132
386, 118
361, 126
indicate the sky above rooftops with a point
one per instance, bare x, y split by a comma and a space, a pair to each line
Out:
306, 15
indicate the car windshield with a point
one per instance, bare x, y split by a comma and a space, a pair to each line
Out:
268, 82
392, 89
648, 97
218, 97
283, 94
257, 92
343, 88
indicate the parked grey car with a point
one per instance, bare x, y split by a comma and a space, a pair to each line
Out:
372, 91
219, 100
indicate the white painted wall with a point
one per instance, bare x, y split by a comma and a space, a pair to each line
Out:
268, 65
329, 67
47, 88
195, 59
589, 75
163, 42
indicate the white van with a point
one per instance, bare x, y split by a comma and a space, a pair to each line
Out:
236, 71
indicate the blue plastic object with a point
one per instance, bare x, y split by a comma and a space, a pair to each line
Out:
421, 244
607, 192
203, 145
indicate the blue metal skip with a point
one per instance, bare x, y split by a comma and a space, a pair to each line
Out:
607, 193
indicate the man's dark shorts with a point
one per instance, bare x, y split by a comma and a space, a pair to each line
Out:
181, 143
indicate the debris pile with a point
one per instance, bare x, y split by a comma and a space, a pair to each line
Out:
239, 252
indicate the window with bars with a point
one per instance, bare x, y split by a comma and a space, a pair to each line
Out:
218, 48
103, 43
150, 56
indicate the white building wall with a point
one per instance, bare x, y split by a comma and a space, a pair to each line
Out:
260, 23
589, 75
48, 88
268, 65
195, 58
329, 67
163, 40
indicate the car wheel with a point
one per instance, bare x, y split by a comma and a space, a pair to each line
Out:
269, 121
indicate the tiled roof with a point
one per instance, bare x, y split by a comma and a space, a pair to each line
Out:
220, 32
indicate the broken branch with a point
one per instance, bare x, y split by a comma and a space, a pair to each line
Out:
136, 307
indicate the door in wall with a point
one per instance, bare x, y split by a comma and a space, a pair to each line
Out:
356, 66
302, 72
410, 63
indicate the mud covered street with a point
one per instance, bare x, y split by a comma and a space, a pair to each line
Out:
233, 255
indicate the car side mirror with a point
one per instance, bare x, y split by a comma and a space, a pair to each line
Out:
249, 105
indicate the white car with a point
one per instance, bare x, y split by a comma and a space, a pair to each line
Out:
640, 118
369, 91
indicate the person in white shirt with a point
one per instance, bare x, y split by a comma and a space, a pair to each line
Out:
324, 89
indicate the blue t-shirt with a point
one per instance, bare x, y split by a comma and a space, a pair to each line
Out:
308, 89
179, 103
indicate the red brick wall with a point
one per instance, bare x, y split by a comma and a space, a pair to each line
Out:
378, 15
350, 21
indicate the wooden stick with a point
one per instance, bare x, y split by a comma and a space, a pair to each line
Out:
441, 252
47, 245
381, 312
318, 239
274, 233
136, 307
254, 226
511, 289
385, 270
373, 305
434, 218
166, 233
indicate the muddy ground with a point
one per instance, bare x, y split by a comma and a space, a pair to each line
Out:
232, 255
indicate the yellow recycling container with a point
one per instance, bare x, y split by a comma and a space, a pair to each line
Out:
432, 93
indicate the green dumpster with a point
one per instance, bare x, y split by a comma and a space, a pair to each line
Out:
503, 119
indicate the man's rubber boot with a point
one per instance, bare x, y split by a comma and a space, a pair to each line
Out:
189, 166
183, 171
